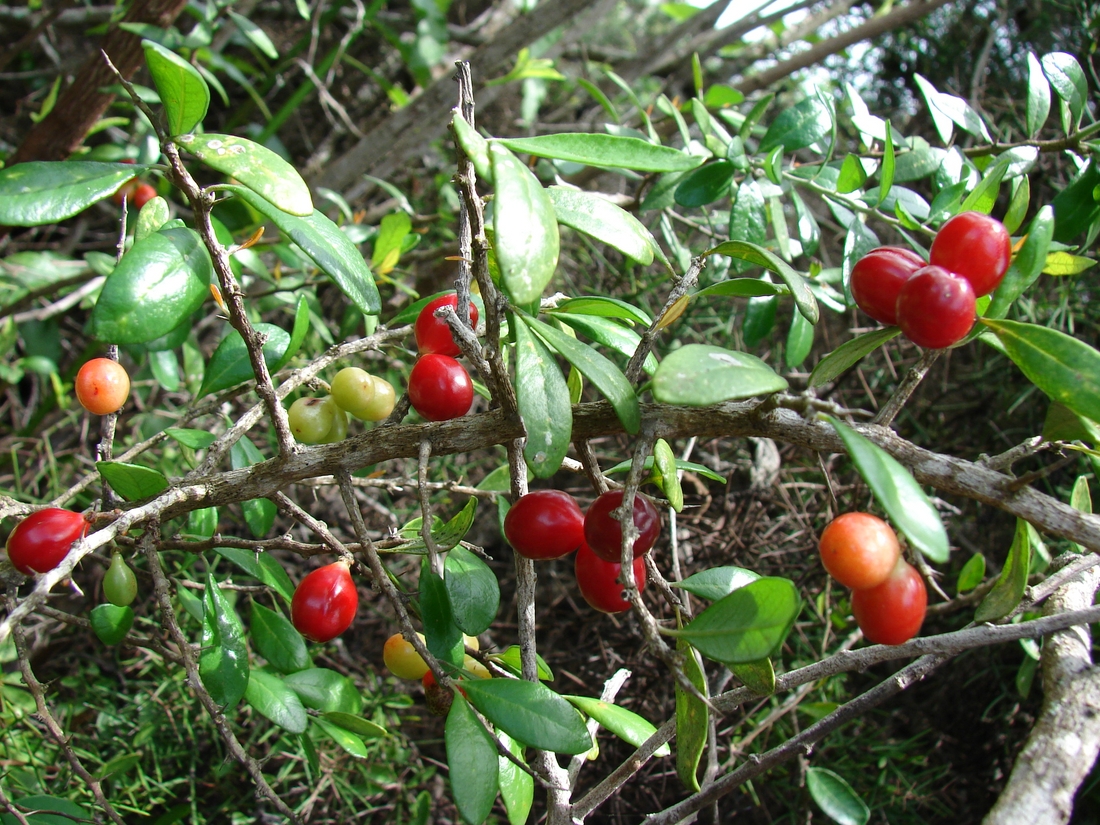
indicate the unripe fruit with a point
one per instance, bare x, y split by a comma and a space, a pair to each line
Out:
604, 534
544, 524
892, 612
859, 550
935, 308
401, 658
440, 388
877, 278
975, 247
433, 334
324, 604
339, 429
41, 540
353, 390
102, 386
119, 583
383, 402
312, 419
598, 580
475, 668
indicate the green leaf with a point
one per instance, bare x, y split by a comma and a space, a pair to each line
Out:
692, 719
68, 812
848, 354
1065, 368
698, 375
392, 232
1080, 499
511, 660
626, 724
272, 699
606, 308
356, 724
1010, 585
254, 165
297, 333
158, 283
985, 193
748, 219
195, 439
151, 218
474, 145
800, 288
604, 150
445, 535
132, 481
223, 662
259, 515
1068, 79
742, 288
442, 636
897, 492
325, 690
749, 624
666, 476
344, 738
705, 184
257, 36
229, 365
800, 341
111, 622
611, 334
278, 641
517, 787
1076, 207
852, 175
473, 591
472, 759
799, 126
836, 798
1026, 265
1063, 263
607, 378
525, 229
972, 573
756, 676
327, 245
42, 192
688, 466
886, 172
261, 566
604, 221
1038, 96
183, 93
544, 404
717, 582
531, 713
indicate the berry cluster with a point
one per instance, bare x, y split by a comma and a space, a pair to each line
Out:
354, 391
548, 524
439, 387
934, 301
889, 598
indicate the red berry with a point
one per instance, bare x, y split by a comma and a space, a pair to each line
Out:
143, 194
440, 388
973, 246
544, 524
102, 386
325, 602
604, 534
432, 334
859, 550
877, 277
892, 612
935, 308
41, 540
598, 580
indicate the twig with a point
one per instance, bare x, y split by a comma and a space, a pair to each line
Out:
426, 507
906, 388
682, 287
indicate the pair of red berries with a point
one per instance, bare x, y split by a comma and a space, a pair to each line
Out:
548, 524
934, 301
439, 387
41, 540
325, 602
889, 598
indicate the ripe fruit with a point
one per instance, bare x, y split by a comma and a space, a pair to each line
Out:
604, 534
859, 550
143, 194
312, 419
597, 580
975, 247
440, 388
892, 612
401, 658
544, 524
432, 334
325, 602
877, 277
120, 583
102, 386
41, 540
935, 308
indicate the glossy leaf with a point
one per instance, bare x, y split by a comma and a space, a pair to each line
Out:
665, 474
946, 109
472, 759
705, 184
526, 238
132, 481
698, 375
229, 365
297, 333
692, 719
898, 493
717, 582
446, 535
1076, 207
687, 466
1068, 79
607, 378
531, 713
195, 439
257, 36
1026, 265
852, 175
748, 219
43, 192
327, 246
223, 662
611, 334
836, 798
1009, 588
800, 340
984, 196
517, 787
848, 354
606, 308
111, 623
1038, 96
1061, 264
626, 724
356, 724
255, 166
799, 126
604, 150
758, 255
261, 566
278, 641
1065, 368
158, 283
510, 659
749, 624
271, 698
442, 636
325, 690
742, 288
347, 740
544, 404
474, 145
604, 221
758, 677
473, 591
971, 574
183, 93
151, 218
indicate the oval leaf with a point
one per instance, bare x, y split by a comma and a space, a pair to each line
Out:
356, 724
183, 93
132, 481
472, 759
271, 698
111, 623
544, 404
229, 365
717, 582
698, 375
473, 591
605, 150
531, 713
223, 663
325, 690
705, 185
442, 636
517, 787
626, 724
604, 221
1026, 265
606, 308
261, 566
800, 289
757, 676
42, 192
836, 798
344, 738
278, 641
848, 354
797, 127
692, 719
611, 334
741, 288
